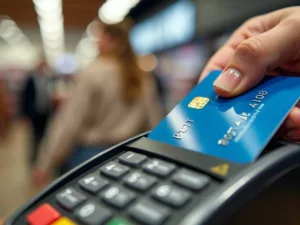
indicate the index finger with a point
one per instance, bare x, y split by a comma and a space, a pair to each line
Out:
220, 59
250, 28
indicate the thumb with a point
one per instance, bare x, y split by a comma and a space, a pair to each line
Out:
257, 55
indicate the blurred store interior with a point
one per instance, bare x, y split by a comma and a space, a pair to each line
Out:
172, 38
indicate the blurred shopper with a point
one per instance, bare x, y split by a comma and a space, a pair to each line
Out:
36, 103
112, 100
5, 114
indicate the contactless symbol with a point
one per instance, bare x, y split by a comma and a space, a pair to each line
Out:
198, 102
221, 169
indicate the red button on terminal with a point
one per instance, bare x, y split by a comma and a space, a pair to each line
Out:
43, 215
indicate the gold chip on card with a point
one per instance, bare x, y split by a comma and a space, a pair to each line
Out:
198, 102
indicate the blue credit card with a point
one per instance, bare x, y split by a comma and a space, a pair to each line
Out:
235, 129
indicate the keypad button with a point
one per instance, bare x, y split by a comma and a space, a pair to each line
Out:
43, 215
132, 158
70, 198
119, 221
92, 183
63, 221
92, 214
118, 197
171, 195
190, 179
159, 167
148, 212
114, 170
140, 181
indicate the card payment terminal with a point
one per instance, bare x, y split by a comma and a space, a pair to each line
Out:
143, 181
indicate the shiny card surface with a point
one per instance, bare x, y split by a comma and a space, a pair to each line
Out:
235, 129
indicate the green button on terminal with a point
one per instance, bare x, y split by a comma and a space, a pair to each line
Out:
118, 221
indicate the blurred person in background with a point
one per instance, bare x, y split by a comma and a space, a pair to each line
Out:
112, 100
36, 103
5, 114
60, 90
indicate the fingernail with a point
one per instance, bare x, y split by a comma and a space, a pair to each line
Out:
293, 135
228, 80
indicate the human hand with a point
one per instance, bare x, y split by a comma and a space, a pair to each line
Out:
267, 44
40, 177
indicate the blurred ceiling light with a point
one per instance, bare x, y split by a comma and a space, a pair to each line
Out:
8, 28
54, 44
51, 25
50, 19
147, 62
6, 23
17, 39
85, 43
9, 32
26, 42
52, 55
47, 5
12, 34
89, 53
92, 31
52, 35
59, 43
86, 51
87, 47
111, 19
53, 14
51, 32
114, 11
52, 52
50, 47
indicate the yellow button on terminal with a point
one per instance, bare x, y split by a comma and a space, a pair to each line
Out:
64, 221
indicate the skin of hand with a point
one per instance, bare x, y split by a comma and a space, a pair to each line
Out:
40, 178
266, 44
